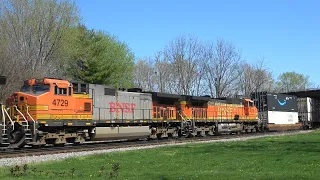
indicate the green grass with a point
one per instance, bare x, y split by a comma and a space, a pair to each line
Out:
285, 157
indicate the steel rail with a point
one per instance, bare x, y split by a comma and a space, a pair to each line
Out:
106, 145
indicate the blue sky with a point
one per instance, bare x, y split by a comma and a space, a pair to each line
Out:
286, 33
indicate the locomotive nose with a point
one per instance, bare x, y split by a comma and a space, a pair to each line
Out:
12, 100
16, 99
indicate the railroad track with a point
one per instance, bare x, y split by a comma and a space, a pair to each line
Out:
105, 145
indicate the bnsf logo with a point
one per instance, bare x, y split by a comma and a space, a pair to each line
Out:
123, 107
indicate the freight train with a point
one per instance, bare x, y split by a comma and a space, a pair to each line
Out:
57, 111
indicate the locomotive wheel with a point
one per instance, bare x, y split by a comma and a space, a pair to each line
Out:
16, 137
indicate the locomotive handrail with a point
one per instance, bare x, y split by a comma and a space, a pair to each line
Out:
6, 112
34, 122
181, 115
29, 114
21, 115
184, 119
186, 116
3, 116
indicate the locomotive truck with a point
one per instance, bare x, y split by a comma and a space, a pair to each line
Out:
56, 111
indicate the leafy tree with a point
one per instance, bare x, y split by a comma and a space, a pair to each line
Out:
292, 81
96, 57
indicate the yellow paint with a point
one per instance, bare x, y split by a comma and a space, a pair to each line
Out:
183, 102
127, 121
42, 122
63, 116
173, 120
81, 96
43, 116
38, 108
231, 118
107, 121
69, 124
12, 110
88, 124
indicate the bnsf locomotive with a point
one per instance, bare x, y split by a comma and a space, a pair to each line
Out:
55, 111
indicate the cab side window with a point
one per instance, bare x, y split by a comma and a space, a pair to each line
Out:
79, 88
61, 91
55, 89
69, 91
251, 104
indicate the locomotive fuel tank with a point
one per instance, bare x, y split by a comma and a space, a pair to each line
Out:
230, 127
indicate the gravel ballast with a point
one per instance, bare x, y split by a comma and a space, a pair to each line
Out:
60, 156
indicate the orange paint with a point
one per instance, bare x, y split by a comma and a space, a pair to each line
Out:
219, 112
50, 97
163, 112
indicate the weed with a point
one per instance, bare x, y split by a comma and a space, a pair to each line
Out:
101, 171
72, 171
24, 170
115, 170
19, 171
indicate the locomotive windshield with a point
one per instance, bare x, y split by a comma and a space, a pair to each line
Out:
36, 89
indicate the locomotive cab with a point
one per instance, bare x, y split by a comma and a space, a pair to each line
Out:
49, 99
250, 110
45, 104
25, 100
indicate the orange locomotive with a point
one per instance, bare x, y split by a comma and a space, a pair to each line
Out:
50, 99
55, 111
43, 107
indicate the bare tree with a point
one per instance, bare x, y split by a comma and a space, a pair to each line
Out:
31, 35
164, 74
185, 56
254, 77
222, 68
199, 85
144, 75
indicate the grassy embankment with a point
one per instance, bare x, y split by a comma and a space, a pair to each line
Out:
285, 157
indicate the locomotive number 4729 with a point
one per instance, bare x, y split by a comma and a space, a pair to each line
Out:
60, 102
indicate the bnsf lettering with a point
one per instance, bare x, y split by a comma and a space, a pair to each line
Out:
225, 110
123, 107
